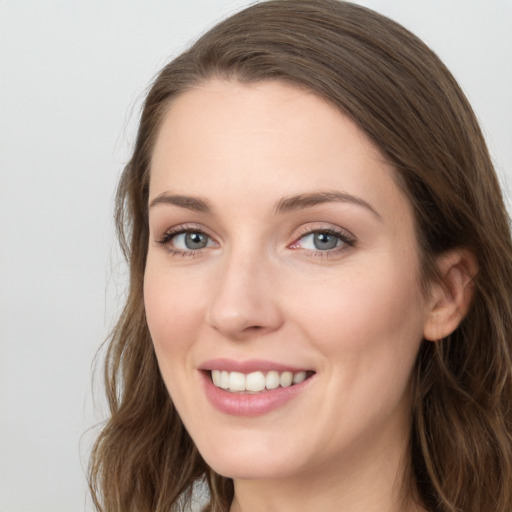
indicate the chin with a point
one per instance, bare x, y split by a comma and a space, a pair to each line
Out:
250, 469
251, 460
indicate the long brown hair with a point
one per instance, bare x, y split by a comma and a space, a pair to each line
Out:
406, 101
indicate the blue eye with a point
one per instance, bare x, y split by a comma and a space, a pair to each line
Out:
190, 241
324, 241
186, 241
321, 241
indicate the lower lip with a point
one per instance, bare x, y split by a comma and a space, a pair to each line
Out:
247, 404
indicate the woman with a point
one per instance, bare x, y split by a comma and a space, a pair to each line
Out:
319, 312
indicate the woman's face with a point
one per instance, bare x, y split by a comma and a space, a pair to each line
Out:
281, 249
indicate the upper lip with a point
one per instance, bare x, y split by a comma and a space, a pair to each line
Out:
252, 365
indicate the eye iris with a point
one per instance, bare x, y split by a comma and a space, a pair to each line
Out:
325, 241
196, 241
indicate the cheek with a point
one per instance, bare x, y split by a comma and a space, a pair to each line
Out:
174, 315
174, 308
376, 309
368, 327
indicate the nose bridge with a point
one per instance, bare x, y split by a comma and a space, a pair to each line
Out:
242, 302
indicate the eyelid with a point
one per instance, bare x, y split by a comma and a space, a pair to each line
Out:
347, 238
166, 238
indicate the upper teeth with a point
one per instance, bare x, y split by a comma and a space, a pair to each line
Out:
255, 381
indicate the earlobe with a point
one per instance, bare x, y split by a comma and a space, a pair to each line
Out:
451, 296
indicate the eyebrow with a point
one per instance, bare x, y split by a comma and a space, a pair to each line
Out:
189, 202
286, 204
312, 199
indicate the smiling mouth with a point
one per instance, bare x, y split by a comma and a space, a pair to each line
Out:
256, 382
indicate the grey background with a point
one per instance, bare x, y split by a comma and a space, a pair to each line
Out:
72, 76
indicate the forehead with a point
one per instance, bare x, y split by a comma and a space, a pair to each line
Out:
224, 110
250, 136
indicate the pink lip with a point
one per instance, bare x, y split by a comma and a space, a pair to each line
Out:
246, 404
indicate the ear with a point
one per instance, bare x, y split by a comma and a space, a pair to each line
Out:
450, 297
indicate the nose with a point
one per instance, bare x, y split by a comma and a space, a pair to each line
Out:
244, 302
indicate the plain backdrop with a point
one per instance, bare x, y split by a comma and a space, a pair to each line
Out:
72, 76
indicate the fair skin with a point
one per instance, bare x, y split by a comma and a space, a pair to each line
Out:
279, 238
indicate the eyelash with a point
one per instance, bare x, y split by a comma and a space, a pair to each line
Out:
167, 237
347, 241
